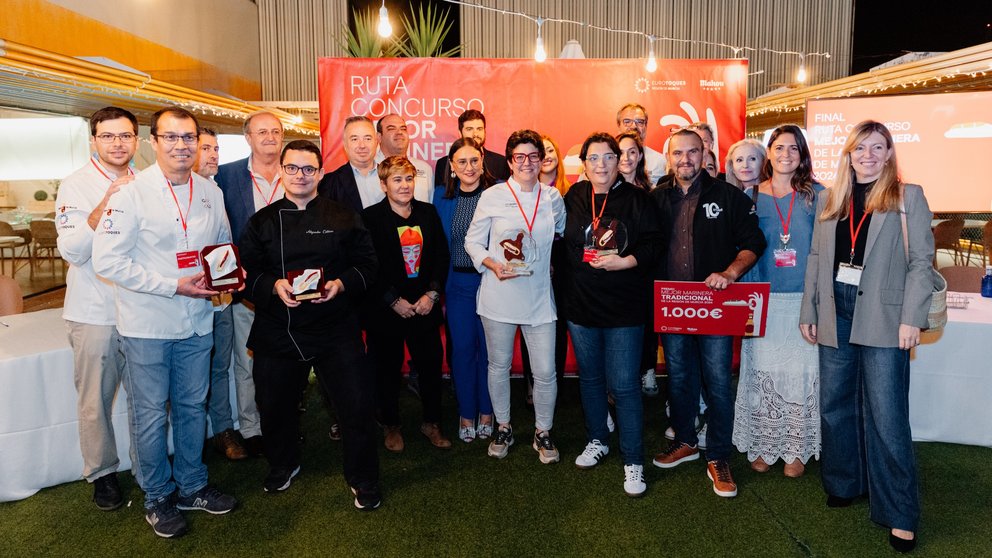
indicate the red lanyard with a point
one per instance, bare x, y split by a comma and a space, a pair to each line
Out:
850, 221
275, 187
785, 236
188, 206
592, 200
533, 219
99, 170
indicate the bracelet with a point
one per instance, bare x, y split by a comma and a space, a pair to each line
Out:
395, 302
433, 295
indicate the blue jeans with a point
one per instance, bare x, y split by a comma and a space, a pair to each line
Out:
609, 361
167, 381
701, 364
541, 340
219, 400
467, 345
864, 419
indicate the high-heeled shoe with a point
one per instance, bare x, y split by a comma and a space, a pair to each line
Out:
902, 545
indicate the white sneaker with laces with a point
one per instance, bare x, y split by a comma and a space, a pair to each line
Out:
633, 480
649, 383
591, 456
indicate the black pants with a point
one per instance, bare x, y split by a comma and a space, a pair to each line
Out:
422, 336
346, 377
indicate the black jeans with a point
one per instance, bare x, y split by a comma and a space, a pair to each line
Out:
346, 377
422, 336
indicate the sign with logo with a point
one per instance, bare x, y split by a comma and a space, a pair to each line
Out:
690, 307
565, 99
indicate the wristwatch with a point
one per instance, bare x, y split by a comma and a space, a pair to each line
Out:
433, 295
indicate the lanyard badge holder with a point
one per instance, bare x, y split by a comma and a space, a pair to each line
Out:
785, 256
848, 273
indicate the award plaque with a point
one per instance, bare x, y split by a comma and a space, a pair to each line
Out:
610, 237
517, 251
222, 267
307, 284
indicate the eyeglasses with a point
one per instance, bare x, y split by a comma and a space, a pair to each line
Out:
462, 164
293, 169
606, 159
633, 121
275, 132
171, 139
519, 158
126, 137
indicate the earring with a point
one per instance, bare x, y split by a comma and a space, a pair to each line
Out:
452, 174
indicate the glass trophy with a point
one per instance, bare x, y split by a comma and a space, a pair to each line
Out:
517, 251
610, 237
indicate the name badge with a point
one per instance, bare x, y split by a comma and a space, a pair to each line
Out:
189, 259
849, 274
785, 257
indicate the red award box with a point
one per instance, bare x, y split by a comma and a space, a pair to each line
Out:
230, 281
313, 276
692, 308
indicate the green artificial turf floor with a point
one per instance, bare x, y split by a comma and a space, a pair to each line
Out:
463, 503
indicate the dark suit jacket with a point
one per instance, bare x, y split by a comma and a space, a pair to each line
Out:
493, 162
341, 187
235, 181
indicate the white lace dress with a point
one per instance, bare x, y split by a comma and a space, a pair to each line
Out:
777, 414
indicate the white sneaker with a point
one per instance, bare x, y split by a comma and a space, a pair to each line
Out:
649, 383
610, 425
669, 433
591, 456
633, 480
700, 433
701, 436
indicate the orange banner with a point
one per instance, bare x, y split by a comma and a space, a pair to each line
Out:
565, 99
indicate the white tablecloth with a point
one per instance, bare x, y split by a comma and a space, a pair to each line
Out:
950, 393
39, 429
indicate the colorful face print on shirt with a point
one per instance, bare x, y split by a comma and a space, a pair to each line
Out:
411, 244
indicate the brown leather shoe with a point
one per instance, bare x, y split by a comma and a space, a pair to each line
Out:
433, 433
227, 444
795, 469
759, 465
394, 439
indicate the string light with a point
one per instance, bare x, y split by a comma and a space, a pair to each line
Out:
801, 74
385, 28
540, 55
652, 64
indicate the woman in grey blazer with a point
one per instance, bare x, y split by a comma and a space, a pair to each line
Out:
864, 303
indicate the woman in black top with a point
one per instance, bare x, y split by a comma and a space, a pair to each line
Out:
612, 240
402, 304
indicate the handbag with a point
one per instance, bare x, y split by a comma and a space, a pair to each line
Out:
937, 315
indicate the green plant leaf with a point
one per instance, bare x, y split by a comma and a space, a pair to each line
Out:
365, 42
425, 34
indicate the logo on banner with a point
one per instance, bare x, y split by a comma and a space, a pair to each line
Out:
641, 85
710, 85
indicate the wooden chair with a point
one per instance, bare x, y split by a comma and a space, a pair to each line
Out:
963, 278
947, 236
987, 243
45, 240
11, 300
11, 244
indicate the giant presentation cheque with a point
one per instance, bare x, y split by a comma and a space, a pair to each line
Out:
690, 307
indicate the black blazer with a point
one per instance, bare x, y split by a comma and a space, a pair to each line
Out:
392, 280
493, 162
341, 187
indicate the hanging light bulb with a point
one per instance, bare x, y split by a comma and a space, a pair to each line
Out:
385, 28
801, 74
540, 55
652, 64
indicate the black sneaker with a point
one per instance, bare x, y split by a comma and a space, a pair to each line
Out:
367, 499
280, 478
107, 493
208, 499
165, 519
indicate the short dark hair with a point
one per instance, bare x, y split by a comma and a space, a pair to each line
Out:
111, 113
353, 119
521, 137
686, 133
302, 145
176, 112
378, 123
599, 137
208, 132
470, 114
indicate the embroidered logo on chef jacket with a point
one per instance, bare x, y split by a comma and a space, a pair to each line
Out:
108, 226
712, 209
63, 219
411, 244
206, 203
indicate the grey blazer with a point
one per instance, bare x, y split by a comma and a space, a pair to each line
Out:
892, 290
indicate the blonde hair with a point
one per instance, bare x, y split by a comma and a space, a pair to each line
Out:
396, 164
885, 195
728, 165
